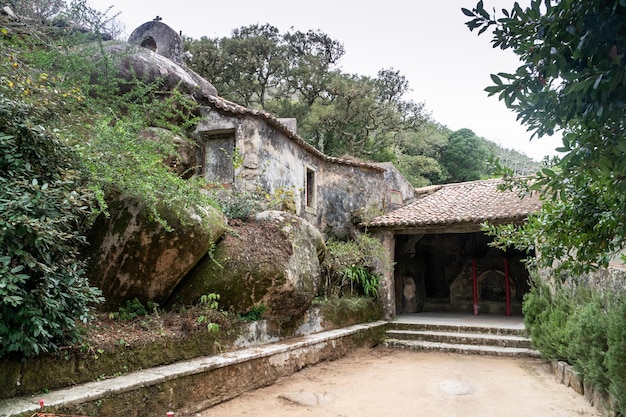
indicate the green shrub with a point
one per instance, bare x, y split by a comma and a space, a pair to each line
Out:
546, 313
353, 264
238, 204
133, 309
616, 353
587, 329
43, 206
255, 313
359, 275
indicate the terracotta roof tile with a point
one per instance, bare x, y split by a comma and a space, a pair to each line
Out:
467, 202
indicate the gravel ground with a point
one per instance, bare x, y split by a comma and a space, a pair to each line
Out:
397, 383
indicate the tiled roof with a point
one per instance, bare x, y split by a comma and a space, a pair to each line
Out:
230, 107
462, 203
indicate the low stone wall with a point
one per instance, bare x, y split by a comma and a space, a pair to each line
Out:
191, 386
74, 366
566, 375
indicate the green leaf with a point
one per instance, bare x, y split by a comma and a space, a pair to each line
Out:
496, 79
467, 12
597, 82
481, 10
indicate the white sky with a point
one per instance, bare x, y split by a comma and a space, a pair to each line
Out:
426, 40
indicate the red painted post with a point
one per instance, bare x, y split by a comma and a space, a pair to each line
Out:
169, 414
506, 287
41, 403
475, 286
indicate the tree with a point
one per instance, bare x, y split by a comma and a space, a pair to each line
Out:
38, 11
312, 59
465, 157
249, 67
518, 164
572, 79
362, 117
205, 57
76, 14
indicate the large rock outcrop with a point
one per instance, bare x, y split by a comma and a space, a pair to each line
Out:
272, 262
134, 63
131, 255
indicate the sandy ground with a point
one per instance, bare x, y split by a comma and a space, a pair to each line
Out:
398, 383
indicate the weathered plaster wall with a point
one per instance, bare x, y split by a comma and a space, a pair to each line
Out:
273, 161
348, 194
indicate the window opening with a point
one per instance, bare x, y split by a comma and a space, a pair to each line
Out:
218, 158
310, 188
149, 43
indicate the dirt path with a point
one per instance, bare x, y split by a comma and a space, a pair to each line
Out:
397, 383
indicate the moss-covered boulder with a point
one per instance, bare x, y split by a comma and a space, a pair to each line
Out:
132, 256
272, 262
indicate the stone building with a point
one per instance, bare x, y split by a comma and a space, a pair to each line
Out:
247, 149
332, 193
159, 38
443, 261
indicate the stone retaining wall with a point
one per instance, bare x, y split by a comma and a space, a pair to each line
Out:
191, 386
566, 375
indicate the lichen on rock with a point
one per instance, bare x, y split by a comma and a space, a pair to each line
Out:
273, 261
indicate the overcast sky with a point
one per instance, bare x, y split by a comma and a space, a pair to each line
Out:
426, 40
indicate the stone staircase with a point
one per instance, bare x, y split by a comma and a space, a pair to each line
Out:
467, 339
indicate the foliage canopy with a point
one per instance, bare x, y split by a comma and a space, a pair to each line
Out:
572, 79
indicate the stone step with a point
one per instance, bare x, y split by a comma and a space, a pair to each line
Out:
461, 338
462, 348
504, 331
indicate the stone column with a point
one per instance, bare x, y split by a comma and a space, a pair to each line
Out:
386, 290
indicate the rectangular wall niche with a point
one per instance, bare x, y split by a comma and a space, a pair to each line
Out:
218, 158
310, 189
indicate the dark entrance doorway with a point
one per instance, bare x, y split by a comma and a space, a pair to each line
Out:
436, 272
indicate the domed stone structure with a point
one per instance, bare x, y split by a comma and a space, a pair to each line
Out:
160, 38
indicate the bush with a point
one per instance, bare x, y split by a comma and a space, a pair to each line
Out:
545, 316
43, 205
588, 326
354, 264
585, 327
616, 353
237, 204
